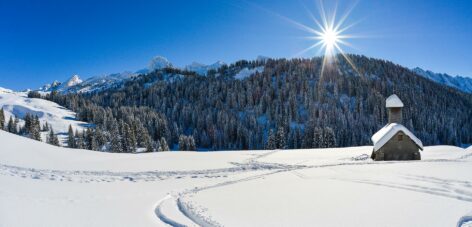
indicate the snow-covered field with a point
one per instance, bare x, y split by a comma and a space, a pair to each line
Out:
59, 118
43, 185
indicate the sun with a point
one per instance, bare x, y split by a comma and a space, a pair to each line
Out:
329, 35
330, 39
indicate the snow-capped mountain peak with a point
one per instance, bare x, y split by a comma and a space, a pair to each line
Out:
262, 58
55, 83
74, 80
202, 69
5, 90
159, 62
461, 83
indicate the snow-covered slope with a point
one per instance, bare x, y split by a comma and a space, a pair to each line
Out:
246, 72
202, 69
59, 118
159, 62
458, 82
54, 186
74, 80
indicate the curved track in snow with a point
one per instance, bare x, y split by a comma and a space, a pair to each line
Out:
190, 214
176, 210
465, 221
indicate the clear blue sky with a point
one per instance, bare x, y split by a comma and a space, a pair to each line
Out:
41, 41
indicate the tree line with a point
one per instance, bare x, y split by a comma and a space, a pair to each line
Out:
289, 105
31, 128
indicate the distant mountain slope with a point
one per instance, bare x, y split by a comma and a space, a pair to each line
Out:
103, 82
96, 83
458, 82
17, 104
202, 69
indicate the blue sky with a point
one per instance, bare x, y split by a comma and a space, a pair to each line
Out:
41, 41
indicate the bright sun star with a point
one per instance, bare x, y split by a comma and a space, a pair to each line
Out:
330, 39
329, 36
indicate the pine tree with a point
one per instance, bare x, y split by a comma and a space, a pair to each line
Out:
317, 138
280, 139
296, 139
191, 143
32, 126
11, 125
329, 137
128, 139
36, 132
52, 138
15, 125
115, 143
163, 144
131, 140
71, 138
183, 143
28, 123
100, 138
2, 119
159, 147
91, 141
145, 141
79, 143
46, 127
271, 143
84, 140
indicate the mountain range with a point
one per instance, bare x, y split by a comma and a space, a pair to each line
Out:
458, 82
102, 82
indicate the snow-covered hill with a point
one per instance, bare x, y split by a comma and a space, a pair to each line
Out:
461, 83
59, 118
202, 69
159, 62
43, 185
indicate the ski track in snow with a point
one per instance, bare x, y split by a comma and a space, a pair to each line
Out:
171, 206
194, 213
465, 221
108, 176
457, 191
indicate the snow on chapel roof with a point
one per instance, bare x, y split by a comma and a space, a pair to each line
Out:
381, 137
393, 101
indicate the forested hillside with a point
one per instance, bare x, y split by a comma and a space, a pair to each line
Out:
288, 104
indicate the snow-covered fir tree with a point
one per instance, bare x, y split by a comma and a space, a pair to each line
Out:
115, 143
71, 138
11, 127
2, 119
52, 138
271, 141
163, 144
317, 138
329, 138
280, 139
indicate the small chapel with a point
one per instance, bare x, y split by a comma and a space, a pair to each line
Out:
394, 141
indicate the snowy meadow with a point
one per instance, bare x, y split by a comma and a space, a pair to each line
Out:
58, 186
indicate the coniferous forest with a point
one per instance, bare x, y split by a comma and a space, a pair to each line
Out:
289, 105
